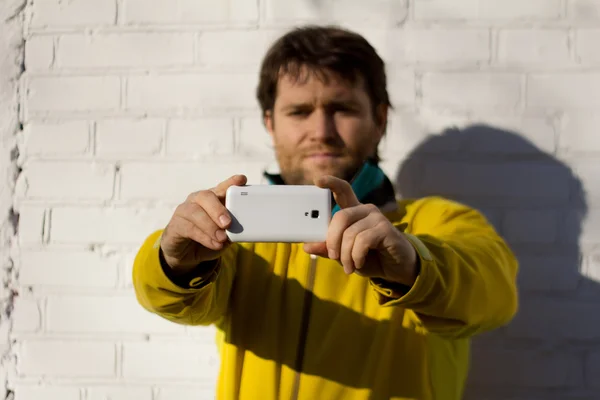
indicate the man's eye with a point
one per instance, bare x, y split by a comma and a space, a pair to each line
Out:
346, 110
299, 112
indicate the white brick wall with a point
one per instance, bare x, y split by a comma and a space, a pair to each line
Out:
128, 106
11, 40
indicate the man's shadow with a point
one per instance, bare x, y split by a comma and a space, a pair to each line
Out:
538, 205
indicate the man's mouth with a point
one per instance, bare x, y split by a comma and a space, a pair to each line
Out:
323, 156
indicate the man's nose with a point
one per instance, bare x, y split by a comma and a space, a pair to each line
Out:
323, 125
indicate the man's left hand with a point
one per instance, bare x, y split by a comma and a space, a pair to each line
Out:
363, 240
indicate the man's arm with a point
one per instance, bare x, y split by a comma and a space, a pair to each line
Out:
467, 273
198, 297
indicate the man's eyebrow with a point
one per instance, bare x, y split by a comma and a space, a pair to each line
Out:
332, 103
293, 106
343, 102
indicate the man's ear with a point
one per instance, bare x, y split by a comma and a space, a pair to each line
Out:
268, 121
381, 117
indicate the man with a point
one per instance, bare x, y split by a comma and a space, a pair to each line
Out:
384, 309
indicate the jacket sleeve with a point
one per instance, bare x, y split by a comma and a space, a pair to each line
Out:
198, 298
467, 278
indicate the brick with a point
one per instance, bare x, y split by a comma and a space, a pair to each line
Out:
503, 183
579, 133
531, 226
508, 135
58, 13
31, 224
122, 137
126, 269
592, 269
125, 50
487, 10
60, 138
69, 359
39, 53
175, 181
446, 9
584, 10
587, 170
526, 369
169, 360
78, 180
402, 87
23, 392
279, 11
554, 319
253, 138
564, 91
471, 90
190, 12
186, 393
75, 269
78, 93
592, 368
586, 46
246, 48
87, 225
549, 272
434, 45
191, 138
26, 315
103, 314
119, 393
221, 91
542, 47
516, 9
381, 12
389, 13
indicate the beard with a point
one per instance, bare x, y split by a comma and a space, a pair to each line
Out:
301, 170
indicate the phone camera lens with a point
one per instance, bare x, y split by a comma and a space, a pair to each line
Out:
314, 214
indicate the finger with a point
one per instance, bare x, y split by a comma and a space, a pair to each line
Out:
186, 228
318, 249
339, 223
364, 242
214, 208
200, 218
348, 241
342, 191
235, 180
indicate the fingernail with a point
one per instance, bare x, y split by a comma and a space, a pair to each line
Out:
221, 235
224, 220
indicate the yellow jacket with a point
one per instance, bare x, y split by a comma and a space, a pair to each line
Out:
294, 326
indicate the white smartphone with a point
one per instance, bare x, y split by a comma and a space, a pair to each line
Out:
278, 213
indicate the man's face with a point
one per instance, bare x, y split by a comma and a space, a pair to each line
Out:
322, 127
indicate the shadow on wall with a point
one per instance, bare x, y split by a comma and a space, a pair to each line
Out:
538, 205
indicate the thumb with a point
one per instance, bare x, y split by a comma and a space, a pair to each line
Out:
341, 189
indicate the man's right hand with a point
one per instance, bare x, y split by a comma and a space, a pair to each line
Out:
196, 231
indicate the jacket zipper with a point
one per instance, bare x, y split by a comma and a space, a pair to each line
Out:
306, 305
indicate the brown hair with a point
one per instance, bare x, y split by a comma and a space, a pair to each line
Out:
320, 49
